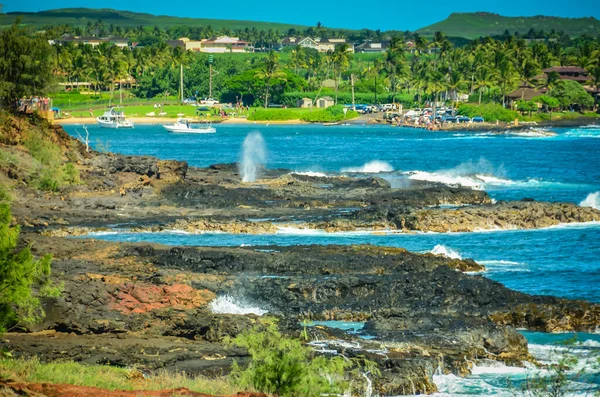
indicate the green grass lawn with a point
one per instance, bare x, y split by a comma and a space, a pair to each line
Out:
107, 377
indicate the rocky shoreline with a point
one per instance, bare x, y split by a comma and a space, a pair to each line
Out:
152, 306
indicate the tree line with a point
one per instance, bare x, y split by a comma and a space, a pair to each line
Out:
432, 69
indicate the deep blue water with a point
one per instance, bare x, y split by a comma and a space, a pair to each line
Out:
561, 168
561, 261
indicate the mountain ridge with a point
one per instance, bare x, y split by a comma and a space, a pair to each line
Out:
478, 24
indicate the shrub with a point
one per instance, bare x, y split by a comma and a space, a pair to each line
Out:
5, 193
272, 115
70, 173
490, 112
19, 272
284, 367
331, 114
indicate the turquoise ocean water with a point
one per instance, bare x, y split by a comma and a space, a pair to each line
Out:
562, 261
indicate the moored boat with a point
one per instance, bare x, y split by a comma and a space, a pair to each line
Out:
183, 125
114, 119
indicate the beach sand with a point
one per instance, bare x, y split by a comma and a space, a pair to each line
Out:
170, 120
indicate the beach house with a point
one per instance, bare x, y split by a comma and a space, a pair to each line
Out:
218, 44
316, 43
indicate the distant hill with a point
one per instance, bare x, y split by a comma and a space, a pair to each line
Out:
81, 16
474, 25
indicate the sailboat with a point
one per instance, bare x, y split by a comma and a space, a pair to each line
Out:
114, 119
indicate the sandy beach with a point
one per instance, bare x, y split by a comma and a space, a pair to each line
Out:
170, 120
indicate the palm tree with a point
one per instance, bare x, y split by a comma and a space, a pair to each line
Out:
268, 72
484, 79
340, 60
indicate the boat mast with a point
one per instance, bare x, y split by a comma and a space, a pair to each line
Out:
181, 80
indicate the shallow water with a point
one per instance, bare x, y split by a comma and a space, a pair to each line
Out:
562, 261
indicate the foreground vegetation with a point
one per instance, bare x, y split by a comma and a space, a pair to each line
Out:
108, 377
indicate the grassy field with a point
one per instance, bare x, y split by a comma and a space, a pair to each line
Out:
107, 377
81, 16
478, 24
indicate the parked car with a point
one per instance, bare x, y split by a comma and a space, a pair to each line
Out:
388, 106
190, 101
449, 119
463, 119
209, 102
478, 119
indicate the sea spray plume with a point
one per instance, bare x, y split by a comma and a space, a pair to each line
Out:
372, 167
254, 154
226, 304
445, 251
592, 200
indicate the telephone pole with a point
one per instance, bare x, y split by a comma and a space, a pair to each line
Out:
181, 80
210, 62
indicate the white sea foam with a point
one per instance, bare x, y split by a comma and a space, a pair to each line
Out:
372, 167
469, 174
592, 200
589, 343
445, 251
311, 173
500, 262
226, 304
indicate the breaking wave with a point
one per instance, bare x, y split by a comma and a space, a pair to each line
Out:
445, 251
226, 304
311, 173
372, 167
592, 200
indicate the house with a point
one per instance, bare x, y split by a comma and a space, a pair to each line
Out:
574, 73
224, 44
94, 41
321, 45
304, 103
369, 46
325, 102
526, 92
220, 44
176, 43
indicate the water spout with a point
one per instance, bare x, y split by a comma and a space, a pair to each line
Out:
254, 154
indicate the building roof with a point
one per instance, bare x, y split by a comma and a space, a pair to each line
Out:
527, 93
565, 69
176, 43
327, 98
374, 46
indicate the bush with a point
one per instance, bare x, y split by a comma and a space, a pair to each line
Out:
272, 115
284, 367
569, 93
490, 112
19, 272
70, 173
328, 115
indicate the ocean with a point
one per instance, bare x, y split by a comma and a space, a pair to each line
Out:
562, 261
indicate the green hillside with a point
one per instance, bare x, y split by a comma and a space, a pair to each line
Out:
478, 24
81, 16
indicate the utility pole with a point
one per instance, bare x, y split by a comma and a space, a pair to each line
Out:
352, 84
210, 62
376, 73
181, 80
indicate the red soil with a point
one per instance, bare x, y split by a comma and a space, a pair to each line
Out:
56, 390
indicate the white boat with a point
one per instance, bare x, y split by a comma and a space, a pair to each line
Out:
183, 125
114, 119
